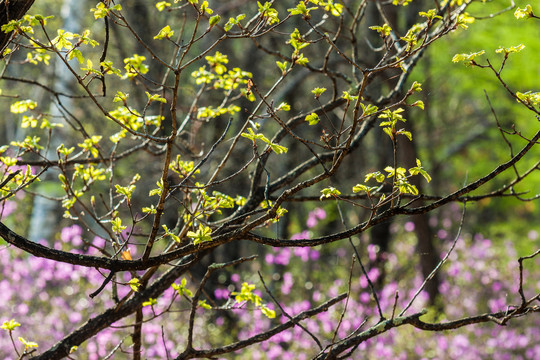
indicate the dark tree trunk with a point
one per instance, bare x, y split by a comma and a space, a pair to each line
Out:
427, 251
11, 10
380, 234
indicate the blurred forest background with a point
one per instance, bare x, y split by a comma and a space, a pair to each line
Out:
457, 120
456, 136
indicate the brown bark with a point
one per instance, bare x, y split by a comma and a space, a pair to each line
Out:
427, 251
11, 10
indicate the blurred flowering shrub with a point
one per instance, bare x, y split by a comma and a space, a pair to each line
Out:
63, 303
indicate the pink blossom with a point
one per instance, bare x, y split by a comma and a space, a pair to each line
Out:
7, 207
221, 293
288, 283
283, 256
301, 236
372, 252
409, 226
442, 234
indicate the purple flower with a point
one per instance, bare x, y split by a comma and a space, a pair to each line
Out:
444, 287
275, 352
98, 243
534, 352
446, 223
454, 269
442, 234
221, 293
301, 236
22, 309
442, 343
288, 282
372, 252
311, 221
314, 217
459, 345
320, 213
497, 304
72, 234
302, 253
365, 297
409, 226
269, 258
7, 207
364, 282
75, 317
282, 257
373, 274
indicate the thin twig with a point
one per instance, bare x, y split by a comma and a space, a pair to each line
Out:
317, 341
434, 271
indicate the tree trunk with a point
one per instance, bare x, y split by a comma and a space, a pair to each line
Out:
429, 256
45, 212
11, 10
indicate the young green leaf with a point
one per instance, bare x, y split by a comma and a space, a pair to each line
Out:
524, 13
214, 20
330, 192
150, 302
203, 304
203, 234
164, 33
10, 325
312, 119
134, 284
162, 5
